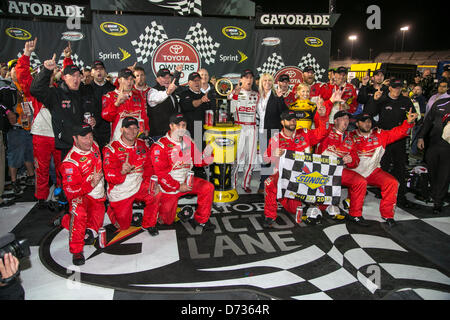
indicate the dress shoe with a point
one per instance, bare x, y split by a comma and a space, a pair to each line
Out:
358, 220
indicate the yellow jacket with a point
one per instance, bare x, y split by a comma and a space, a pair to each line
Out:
304, 111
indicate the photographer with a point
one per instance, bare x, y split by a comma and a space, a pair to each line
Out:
12, 290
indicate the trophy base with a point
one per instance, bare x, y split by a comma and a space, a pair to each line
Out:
226, 196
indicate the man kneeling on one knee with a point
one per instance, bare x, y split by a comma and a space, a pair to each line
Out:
173, 157
128, 170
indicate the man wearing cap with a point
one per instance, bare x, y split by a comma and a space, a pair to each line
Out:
128, 169
289, 138
371, 144
193, 104
173, 156
309, 78
124, 102
339, 143
67, 103
367, 90
437, 151
83, 185
243, 107
100, 87
392, 110
348, 93
162, 102
283, 85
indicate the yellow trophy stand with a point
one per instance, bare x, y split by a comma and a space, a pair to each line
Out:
224, 140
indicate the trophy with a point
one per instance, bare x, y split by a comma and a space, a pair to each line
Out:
222, 115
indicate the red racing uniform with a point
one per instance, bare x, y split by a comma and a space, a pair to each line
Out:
172, 161
302, 141
348, 95
86, 203
315, 90
340, 144
142, 92
370, 151
42, 131
133, 107
289, 97
124, 189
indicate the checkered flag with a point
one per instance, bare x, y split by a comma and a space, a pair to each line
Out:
205, 44
309, 177
148, 41
34, 60
272, 65
184, 7
75, 58
309, 60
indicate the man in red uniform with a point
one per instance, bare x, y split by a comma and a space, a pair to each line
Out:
348, 95
288, 138
173, 157
124, 102
83, 185
339, 143
140, 84
309, 78
371, 144
128, 170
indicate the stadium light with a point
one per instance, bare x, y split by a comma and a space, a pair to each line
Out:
403, 30
352, 38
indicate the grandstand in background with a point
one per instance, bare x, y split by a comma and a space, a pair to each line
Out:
423, 59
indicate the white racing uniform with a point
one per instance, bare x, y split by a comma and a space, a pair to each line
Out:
243, 108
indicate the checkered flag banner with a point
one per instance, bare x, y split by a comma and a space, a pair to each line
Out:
311, 178
148, 41
309, 60
75, 58
272, 65
205, 44
34, 60
183, 7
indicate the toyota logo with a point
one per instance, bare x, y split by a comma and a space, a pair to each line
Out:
291, 74
176, 49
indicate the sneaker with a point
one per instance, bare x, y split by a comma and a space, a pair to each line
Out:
358, 220
29, 181
16, 187
205, 226
186, 213
7, 202
89, 237
78, 259
136, 220
152, 230
390, 222
268, 222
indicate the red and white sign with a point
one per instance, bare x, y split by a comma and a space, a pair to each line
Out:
294, 73
174, 52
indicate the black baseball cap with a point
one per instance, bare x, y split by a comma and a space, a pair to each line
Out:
81, 130
247, 72
163, 72
176, 118
194, 75
377, 72
288, 115
125, 73
341, 70
283, 77
129, 121
342, 113
363, 117
396, 83
71, 69
98, 63
308, 69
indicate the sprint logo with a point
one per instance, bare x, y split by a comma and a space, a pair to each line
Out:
122, 55
313, 180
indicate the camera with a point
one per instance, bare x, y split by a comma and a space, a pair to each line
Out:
18, 248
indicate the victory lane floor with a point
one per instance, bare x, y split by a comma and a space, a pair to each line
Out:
240, 260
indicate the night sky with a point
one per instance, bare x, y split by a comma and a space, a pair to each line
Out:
428, 27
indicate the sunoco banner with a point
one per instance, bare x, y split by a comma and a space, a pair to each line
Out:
52, 37
311, 178
289, 51
222, 46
